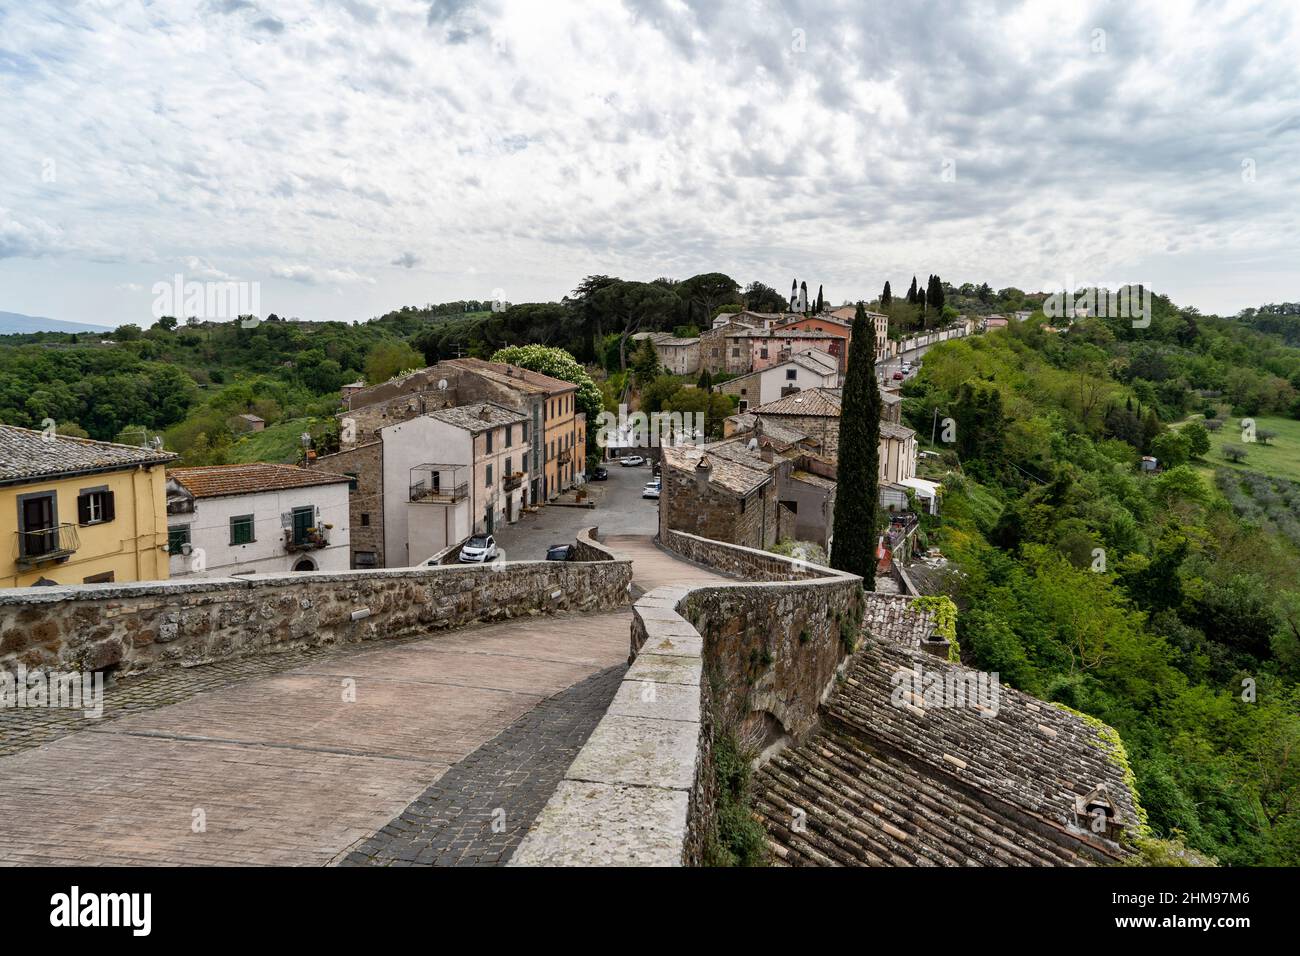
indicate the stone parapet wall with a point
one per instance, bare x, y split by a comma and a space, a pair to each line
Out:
755, 659
589, 549
140, 627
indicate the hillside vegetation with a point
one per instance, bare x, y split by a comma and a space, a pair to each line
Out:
1150, 601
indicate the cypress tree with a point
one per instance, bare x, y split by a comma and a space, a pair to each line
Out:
794, 294
911, 292
820, 301
886, 297
803, 297
857, 496
920, 300
706, 381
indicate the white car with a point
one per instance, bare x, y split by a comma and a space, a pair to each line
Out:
631, 460
479, 549
651, 490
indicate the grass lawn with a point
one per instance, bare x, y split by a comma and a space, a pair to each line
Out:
280, 442
1279, 458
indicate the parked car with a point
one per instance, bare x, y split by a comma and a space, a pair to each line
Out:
631, 461
651, 490
600, 474
560, 552
899, 376
478, 549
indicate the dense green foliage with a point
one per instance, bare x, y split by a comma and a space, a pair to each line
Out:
1143, 599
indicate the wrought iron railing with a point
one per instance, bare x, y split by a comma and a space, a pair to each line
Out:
41, 545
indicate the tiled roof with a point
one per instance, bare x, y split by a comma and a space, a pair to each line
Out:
816, 360
890, 398
27, 455
479, 417
736, 471
899, 432
913, 784
820, 402
216, 481
520, 378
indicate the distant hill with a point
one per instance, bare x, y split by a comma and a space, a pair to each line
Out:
12, 323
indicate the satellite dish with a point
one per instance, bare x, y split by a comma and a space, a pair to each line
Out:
753, 444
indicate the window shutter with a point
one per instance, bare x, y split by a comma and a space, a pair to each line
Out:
83, 509
110, 511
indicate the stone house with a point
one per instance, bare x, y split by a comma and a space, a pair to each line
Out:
680, 356
725, 491
364, 466
814, 412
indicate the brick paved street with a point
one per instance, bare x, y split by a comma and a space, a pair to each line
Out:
262, 760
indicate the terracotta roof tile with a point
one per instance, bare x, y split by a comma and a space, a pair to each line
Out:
215, 481
27, 455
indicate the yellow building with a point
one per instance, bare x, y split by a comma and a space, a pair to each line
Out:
77, 511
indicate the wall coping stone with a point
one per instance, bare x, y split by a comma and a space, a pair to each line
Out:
635, 789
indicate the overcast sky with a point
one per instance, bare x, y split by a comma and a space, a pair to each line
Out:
354, 156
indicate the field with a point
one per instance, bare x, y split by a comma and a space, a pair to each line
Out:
1279, 458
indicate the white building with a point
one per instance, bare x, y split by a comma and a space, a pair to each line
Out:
256, 519
449, 474
808, 369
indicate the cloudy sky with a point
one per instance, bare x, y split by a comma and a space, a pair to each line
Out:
354, 156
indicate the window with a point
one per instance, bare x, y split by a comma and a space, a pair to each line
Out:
525, 426
364, 559
354, 483
762, 353
489, 440
177, 537
489, 476
510, 466
791, 374
302, 521
509, 430
365, 519
94, 506
735, 353
241, 529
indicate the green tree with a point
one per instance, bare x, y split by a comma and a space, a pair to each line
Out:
1172, 448
560, 364
388, 359
858, 495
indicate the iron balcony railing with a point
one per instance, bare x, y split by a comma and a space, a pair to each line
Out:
512, 481
423, 491
44, 545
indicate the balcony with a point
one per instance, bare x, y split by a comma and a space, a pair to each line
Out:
512, 481
565, 456
46, 545
309, 539
438, 484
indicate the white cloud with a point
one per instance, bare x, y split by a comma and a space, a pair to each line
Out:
522, 145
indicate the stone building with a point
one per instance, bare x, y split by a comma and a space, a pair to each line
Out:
680, 356
814, 412
364, 465
726, 491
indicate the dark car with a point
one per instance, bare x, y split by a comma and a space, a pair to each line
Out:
560, 552
600, 474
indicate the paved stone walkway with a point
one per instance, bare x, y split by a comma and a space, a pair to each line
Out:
480, 809
381, 753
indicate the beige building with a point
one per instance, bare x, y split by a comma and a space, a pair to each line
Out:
77, 511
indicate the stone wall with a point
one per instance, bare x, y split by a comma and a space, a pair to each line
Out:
366, 502
755, 659
139, 627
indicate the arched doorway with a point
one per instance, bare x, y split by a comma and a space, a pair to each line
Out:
305, 564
